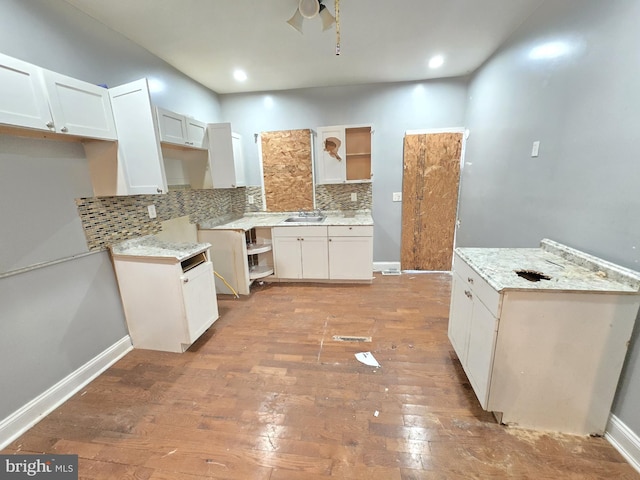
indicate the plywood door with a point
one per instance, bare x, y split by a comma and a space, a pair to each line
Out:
430, 200
287, 170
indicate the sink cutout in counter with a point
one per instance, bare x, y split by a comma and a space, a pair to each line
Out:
532, 275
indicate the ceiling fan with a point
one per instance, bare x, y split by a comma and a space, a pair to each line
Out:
310, 9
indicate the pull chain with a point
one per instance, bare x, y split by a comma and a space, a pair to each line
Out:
337, 27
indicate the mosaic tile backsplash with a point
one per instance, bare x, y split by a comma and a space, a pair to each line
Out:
109, 220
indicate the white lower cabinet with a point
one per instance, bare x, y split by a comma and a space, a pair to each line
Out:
350, 252
168, 303
301, 252
540, 358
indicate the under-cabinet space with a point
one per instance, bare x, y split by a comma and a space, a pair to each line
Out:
185, 168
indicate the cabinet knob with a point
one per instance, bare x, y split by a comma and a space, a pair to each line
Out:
185, 280
50, 124
468, 294
470, 280
159, 190
64, 129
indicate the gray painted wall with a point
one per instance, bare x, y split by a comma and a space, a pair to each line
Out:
583, 107
390, 108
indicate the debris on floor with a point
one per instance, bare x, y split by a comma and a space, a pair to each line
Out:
367, 358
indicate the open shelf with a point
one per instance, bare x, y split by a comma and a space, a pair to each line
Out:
258, 247
260, 271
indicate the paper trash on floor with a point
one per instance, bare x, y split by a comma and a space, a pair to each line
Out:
367, 358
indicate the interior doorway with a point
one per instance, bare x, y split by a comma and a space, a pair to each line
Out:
430, 184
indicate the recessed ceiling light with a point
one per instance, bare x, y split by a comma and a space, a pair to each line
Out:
436, 62
240, 75
549, 50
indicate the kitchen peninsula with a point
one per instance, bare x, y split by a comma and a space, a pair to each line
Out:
542, 333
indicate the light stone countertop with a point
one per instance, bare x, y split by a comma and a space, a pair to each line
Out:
151, 247
570, 270
251, 220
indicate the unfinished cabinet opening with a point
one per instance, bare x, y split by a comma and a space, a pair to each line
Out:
358, 147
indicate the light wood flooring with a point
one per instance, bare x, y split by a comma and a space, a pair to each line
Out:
268, 394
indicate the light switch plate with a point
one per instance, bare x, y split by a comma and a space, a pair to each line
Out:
535, 148
397, 196
251, 199
152, 211
354, 197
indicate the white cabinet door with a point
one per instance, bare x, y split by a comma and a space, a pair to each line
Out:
314, 257
288, 259
79, 108
172, 126
483, 330
331, 156
22, 97
140, 165
238, 159
225, 156
196, 131
199, 296
459, 317
350, 258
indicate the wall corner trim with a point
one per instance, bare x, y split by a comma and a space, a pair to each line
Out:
31, 413
625, 440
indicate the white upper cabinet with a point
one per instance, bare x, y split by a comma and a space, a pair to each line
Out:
343, 154
23, 101
139, 155
225, 156
79, 108
32, 97
179, 129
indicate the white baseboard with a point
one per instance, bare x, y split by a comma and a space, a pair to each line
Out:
380, 266
624, 440
28, 415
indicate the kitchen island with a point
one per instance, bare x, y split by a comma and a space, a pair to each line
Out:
542, 333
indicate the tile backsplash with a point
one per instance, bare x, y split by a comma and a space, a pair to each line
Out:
109, 220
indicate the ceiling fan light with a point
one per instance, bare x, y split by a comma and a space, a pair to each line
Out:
326, 17
309, 8
296, 20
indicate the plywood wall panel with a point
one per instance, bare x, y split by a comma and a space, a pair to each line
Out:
287, 169
430, 200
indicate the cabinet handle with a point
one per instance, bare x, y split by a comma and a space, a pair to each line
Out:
302, 239
159, 190
50, 124
470, 280
64, 129
185, 280
468, 294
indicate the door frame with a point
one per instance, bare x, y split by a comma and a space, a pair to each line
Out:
465, 134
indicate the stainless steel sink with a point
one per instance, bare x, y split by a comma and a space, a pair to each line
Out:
305, 219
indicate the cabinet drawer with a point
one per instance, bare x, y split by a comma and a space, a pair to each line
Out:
350, 230
311, 231
479, 287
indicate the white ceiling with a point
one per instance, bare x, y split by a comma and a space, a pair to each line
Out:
381, 40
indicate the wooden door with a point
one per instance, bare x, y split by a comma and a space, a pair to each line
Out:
430, 200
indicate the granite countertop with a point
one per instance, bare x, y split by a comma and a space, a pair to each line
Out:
569, 270
251, 220
150, 246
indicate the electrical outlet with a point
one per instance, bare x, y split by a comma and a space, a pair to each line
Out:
535, 148
397, 196
251, 199
354, 197
152, 211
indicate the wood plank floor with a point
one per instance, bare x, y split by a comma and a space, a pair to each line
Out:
268, 394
